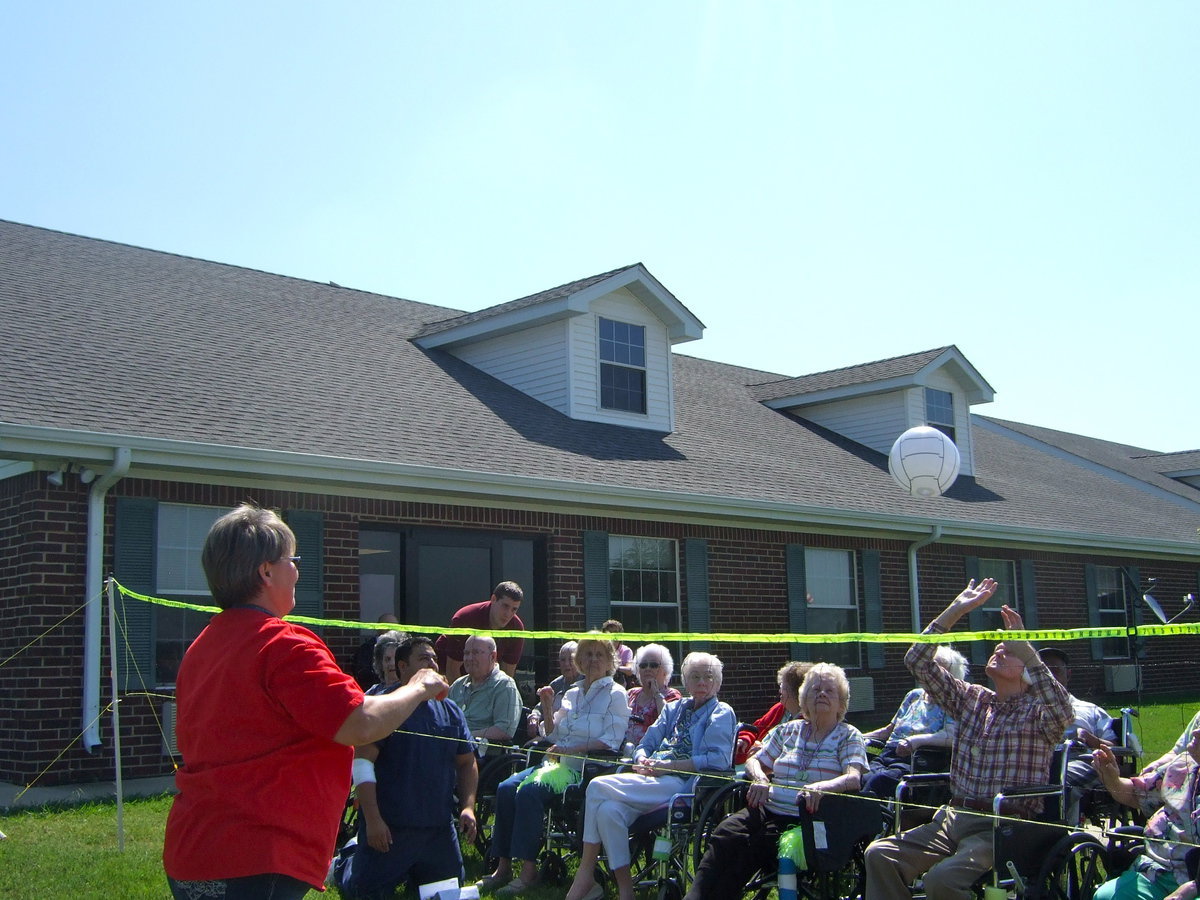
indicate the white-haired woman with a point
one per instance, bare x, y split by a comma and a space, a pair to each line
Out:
800, 761
592, 720
919, 722
654, 667
690, 736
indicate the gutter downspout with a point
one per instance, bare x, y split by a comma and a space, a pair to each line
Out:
94, 594
914, 588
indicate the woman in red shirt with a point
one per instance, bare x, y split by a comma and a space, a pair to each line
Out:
266, 725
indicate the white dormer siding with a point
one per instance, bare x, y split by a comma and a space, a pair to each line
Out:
534, 361
874, 421
944, 381
584, 350
558, 362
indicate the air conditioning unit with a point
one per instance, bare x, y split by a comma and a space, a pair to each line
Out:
862, 694
1122, 679
170, 746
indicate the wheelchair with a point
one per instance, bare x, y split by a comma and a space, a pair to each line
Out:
835, 838
493, 769
668, 873
1043, 858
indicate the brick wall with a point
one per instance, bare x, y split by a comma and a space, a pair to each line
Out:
42, 544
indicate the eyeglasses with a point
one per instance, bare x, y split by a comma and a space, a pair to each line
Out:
295, 561
649, 665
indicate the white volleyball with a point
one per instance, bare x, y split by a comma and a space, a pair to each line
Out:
924, 461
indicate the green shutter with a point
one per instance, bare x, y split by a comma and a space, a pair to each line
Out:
797, 595
596, 601
695, 553
309, 528
135, 552
873, 603
977, 618
1092, 593
1028, 578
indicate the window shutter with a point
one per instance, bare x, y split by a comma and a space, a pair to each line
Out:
135, 550
797, 594
873, 603
1028, 576
596, 600
1138, 644
696, 569
309, 528
976, 619
1093, 607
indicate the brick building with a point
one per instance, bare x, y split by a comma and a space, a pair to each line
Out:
421, 454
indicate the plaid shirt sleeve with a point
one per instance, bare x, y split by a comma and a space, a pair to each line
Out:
943, 688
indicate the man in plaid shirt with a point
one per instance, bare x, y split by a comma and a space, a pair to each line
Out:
1006, 737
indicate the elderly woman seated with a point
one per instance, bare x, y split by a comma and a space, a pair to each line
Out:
654, 667
1168, 794
750, 737
591, 720
919, 722
799, 762
690, 736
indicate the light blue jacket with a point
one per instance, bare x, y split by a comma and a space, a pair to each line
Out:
713, 731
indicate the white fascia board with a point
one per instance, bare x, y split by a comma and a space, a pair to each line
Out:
842, 392
158, 458
494, 326
681, 325
1084, 462
13, 469
980, 392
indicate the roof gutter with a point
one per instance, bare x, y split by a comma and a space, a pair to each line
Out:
93, 596
169, 459
914, 587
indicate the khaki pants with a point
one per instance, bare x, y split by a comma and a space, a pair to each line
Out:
952, 852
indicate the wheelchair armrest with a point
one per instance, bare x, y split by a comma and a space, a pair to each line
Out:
925, 778
1032, 790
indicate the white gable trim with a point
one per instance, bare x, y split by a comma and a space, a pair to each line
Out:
975, 388
681, 324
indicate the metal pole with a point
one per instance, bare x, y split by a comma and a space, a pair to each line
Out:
116, 711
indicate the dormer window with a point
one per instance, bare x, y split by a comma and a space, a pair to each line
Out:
939, 411
622, 366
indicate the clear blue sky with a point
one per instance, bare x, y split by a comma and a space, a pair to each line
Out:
822, 184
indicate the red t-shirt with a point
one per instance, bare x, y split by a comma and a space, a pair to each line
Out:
263, 783
478, 615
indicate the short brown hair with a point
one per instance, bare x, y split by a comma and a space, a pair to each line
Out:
509, 589
237, 544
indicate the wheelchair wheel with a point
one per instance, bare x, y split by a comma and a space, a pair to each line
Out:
493, 771
1073, 870
669, 890
728, 799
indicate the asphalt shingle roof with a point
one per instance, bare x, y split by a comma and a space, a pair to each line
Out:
110, 338
864, 373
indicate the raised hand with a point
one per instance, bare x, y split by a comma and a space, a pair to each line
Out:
975, 595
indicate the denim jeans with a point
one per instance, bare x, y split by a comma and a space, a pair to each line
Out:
520, 817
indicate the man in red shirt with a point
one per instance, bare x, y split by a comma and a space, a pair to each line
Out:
496, 614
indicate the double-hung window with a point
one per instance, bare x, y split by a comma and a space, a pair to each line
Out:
179, 575
622, 366
831, 580
939, 411
1111, 607
643, 583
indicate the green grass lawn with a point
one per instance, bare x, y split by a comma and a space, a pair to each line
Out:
73, 852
